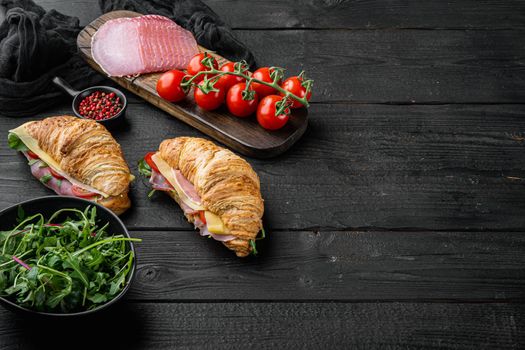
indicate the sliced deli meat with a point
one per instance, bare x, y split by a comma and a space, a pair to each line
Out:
42, 172
161, 183
63, 187
186, 186
145, 44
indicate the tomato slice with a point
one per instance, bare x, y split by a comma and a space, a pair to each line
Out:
150, 161
55, 174
82, 193
32, 155
202, 216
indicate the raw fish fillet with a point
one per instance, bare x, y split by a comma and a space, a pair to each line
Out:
145, 44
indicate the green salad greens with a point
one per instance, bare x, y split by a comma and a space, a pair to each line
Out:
63, 266
15, 143
144, 168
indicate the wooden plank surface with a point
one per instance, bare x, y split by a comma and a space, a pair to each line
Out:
397, 221
384, 66
349, 14
345, 266
399, 66
452, 167
356, 14
278, 325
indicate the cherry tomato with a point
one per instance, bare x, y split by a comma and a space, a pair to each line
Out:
168, 86
264, 75
202, 217
55, 174
32, 155
210, 101
82, 193
195, 66
227, 81
237, 105
266, 113
150, 161
294, 85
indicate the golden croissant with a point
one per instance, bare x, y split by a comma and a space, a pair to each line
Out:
76, 157
218, 191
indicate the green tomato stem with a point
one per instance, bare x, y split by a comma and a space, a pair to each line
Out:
274, 85
104, 241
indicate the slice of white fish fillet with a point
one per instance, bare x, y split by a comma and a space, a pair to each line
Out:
145, 44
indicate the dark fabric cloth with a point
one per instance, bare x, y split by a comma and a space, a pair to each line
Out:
36, 45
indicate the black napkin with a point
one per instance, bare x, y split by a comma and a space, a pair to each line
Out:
36, 45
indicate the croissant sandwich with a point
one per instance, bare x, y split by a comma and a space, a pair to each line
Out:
218, 191
75, 157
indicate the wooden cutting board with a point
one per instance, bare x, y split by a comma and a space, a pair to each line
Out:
244, 135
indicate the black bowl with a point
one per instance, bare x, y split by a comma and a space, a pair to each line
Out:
47, 206
78, 96
117, 118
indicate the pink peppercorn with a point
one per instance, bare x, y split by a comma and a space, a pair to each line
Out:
99, 105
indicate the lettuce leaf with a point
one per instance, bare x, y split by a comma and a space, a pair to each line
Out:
15, 143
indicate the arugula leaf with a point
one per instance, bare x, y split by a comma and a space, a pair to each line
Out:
254, 247
253, 243
55, 298
116, 285
40, 298
20, 214
71, 269
98, 298
3, 280
263, 235
45, 179
144, 168
94, 259
75, 264
15, 143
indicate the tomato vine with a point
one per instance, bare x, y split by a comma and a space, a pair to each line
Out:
241, 70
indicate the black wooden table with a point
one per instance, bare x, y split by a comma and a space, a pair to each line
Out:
398, 221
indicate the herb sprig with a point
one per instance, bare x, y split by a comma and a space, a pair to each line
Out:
67, 266
144, 168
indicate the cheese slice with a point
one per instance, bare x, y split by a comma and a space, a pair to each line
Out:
33, 146
167, 172
215, 224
